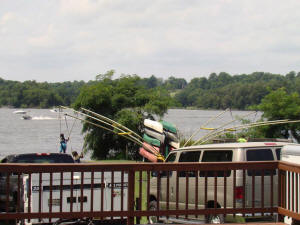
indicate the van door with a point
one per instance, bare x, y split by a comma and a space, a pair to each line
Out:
216, 156
262, 154
185, 156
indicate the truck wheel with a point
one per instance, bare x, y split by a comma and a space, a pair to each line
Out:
295, 222
153, 207
215, 219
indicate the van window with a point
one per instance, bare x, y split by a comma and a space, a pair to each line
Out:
190, 156
260, 155
278, 151
216, 156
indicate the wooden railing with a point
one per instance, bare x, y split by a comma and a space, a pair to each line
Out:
41, 192
289, 190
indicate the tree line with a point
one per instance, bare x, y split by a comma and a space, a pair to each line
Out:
31, 94
217, 91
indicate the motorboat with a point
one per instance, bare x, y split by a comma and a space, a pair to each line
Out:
19, 112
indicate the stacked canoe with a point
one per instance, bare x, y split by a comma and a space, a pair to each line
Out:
159, 139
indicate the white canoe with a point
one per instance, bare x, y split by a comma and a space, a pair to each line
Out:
156, 135
174, 144
171, 136
154, 125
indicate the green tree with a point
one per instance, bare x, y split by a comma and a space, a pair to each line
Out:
124, 101
281, 105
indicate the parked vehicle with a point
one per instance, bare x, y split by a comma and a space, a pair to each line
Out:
13, 178
224, 152
50, 193
291, 153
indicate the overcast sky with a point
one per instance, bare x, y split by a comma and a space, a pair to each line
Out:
66, 40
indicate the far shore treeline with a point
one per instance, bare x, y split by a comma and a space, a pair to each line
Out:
130, 99
218, 91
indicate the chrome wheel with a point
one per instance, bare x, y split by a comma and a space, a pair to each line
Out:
153, 207
215, 219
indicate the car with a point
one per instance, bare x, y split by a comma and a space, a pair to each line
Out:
222, 152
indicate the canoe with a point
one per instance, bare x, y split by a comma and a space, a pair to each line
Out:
156, 135
148, 155
150, 148
174, 144
151, 141
154, 125
168, 126
171, 136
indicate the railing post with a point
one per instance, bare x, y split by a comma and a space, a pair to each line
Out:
130, 203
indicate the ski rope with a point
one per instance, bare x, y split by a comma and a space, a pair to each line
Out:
69, 134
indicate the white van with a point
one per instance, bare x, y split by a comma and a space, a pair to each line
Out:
224, 152
291, 153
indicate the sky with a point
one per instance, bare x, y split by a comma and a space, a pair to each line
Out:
67, 40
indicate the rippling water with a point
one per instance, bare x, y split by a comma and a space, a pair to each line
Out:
41, 134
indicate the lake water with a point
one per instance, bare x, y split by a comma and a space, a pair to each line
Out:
41, 134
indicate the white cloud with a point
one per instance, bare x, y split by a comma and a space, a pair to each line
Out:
6, 18
69, 39
46, 39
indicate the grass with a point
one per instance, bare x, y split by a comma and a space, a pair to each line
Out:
144, 192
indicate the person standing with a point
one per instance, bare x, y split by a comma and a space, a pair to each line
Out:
76, 156
63, 143
242, 139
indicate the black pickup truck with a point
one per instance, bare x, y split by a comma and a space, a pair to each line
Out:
13, 178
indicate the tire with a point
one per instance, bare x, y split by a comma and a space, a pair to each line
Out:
295, 222
153, 207
215, 219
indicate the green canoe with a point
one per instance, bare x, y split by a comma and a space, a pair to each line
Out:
168, 126
151, 141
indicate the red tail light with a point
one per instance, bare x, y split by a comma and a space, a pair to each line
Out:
239, 193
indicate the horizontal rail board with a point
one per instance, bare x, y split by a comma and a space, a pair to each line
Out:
89, 167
